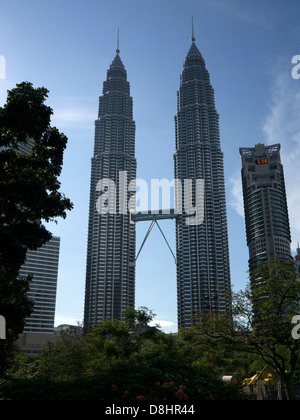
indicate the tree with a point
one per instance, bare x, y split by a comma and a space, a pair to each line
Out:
29, 193
110, 343
138, 318
65, 359
261, 321
15, 307
113, 341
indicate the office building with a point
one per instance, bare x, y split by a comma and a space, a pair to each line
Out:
110, 271
203, 271
265, 203
42, 265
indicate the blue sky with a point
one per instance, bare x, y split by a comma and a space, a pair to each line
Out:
67, 46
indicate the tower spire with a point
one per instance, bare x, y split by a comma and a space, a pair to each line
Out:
193, 39
118, 42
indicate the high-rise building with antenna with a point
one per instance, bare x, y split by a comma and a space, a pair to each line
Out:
265, 203
110, 272
203, 272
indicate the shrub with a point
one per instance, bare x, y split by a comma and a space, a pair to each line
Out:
163, 380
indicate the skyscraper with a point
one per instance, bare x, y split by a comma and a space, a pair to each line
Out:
203, 272
110, 272
42, 264
265, 203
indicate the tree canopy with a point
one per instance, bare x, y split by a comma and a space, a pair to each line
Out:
261, 320
31, 159
29, 182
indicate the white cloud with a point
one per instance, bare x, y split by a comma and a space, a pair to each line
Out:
5, 85
61, 320
66, 113
162, 324
282, 125
236, 194
73, 116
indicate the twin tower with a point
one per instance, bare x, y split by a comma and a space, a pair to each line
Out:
203, 272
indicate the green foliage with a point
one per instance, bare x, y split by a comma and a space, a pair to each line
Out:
107, 344
130, 360
15, 306
29, 184
117, 361
63, 361
163, 380
137, 318
29, 195
261, 321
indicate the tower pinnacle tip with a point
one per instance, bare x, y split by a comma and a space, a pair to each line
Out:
118, 42
193, 39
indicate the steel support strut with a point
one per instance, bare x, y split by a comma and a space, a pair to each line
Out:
154, 221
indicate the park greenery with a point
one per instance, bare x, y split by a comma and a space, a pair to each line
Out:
123, 360
132, 361
118, 361
29, 196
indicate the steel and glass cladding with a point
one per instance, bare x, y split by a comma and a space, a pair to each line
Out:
42, 264
110, 273
203, 272
265, 203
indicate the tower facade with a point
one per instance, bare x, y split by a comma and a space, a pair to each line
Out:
42, 264
110, 272
203, 272
265, 203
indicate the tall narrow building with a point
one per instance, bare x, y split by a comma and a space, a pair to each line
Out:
203, 272
42, 265
265, 203
110, 273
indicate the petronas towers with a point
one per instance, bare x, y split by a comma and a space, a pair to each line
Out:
110, 274
203, 273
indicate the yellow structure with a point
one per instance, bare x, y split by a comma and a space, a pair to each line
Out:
268, 375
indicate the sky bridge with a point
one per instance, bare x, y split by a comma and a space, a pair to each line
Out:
149, 215
154, 216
